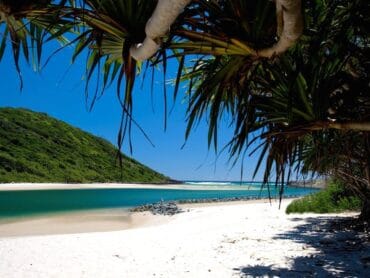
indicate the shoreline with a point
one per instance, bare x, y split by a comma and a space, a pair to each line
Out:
104, 220
62, 186
174, 186
183, 204
107, 218
247, 239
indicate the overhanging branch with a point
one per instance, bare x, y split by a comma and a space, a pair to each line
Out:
289, 27
300, 130
157, 26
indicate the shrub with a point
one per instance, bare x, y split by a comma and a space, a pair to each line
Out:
335, 198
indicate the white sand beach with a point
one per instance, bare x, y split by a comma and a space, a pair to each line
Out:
36, 186
237, 239
45, 186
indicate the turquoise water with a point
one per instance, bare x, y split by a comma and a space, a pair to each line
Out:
26, 202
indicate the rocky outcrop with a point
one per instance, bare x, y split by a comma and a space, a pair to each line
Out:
161, 208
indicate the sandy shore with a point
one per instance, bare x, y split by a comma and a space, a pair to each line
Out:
44, 186
245, 239
102, 220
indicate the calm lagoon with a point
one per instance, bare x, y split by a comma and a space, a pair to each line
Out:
15, 203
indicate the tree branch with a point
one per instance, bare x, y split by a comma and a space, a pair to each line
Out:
289, 27
292, 27
321, 125
163, 16
358, 126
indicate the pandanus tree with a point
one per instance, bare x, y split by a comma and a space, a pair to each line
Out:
289, 93
318, 89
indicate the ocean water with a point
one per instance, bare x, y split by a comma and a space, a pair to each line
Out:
26, 202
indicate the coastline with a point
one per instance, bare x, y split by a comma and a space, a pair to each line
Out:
46, 186
247, 239
103, 220
114, 185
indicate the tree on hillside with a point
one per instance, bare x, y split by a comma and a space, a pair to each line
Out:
294, 78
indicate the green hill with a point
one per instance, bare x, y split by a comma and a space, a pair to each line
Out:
37, 148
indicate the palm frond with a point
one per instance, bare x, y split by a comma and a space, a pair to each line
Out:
109, 29
28, 25
319, 85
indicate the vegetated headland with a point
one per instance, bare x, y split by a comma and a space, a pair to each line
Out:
35, 147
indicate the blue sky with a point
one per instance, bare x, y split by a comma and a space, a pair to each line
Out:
59, 91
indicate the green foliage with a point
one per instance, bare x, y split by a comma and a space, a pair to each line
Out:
109, 29
334, 198
28, 25
307, 110
37, 148
225, 28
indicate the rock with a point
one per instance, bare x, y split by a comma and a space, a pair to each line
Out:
161, 208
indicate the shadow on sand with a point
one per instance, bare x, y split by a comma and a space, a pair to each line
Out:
340, 252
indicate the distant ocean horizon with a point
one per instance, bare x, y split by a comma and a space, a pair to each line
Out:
223, 182
220, 182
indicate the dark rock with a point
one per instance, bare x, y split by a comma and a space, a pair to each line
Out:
162, 208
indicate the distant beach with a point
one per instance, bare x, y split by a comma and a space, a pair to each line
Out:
41, 186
